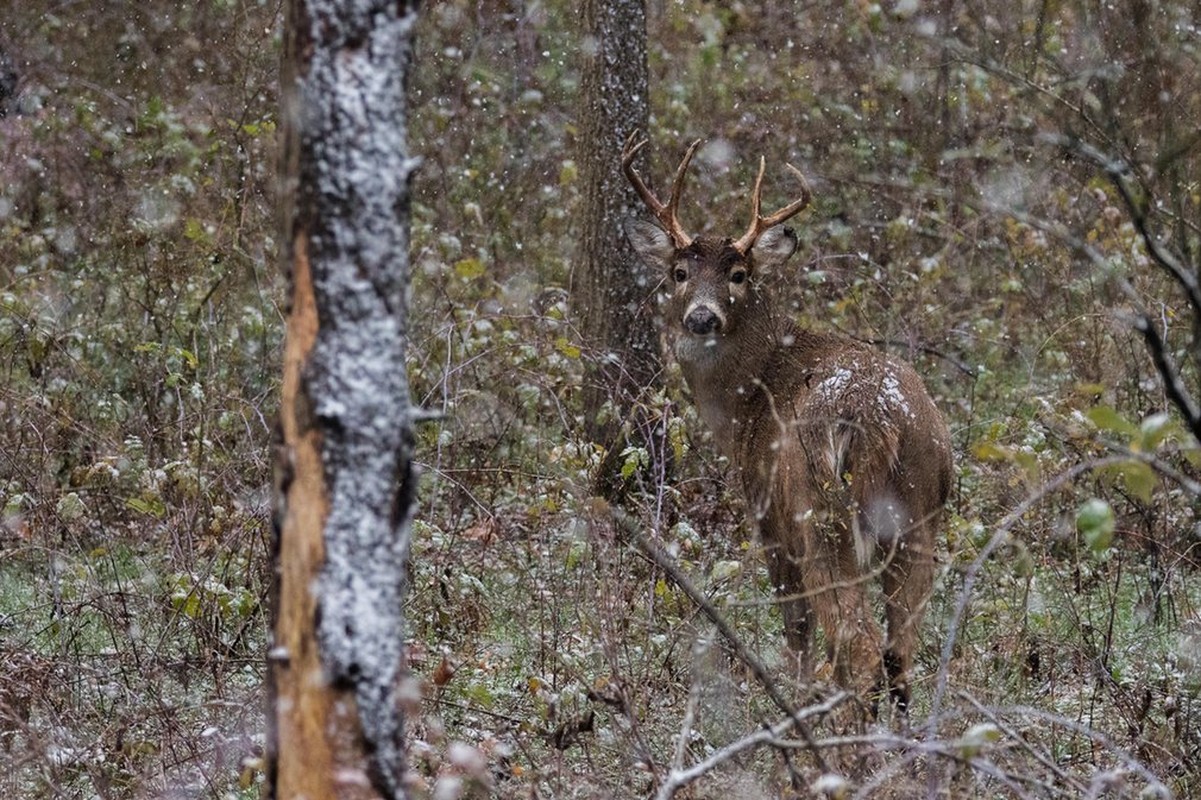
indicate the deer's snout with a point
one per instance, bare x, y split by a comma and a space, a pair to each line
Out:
702, 321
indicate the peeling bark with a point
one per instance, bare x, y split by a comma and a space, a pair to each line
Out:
344, 471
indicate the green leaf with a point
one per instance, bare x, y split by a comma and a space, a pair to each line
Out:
187, 602
1137, 477
69, 507
1108, 419
193, 230
480, 695
568, 172
633, 458
152, 507
1153, 430
723, 570
991, 451
1096, 523
576, 554
677, 434
976, 738
1140, 479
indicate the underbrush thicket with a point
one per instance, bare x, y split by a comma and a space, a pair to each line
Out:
139, 348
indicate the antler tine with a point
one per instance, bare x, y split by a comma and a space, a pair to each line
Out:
632, 146
760, 224
677, 187
666, 214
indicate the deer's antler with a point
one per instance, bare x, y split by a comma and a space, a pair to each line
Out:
666, 214
760, 224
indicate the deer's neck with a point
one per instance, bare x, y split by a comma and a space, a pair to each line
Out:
730, 376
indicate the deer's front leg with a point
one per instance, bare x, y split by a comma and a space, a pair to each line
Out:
784, 569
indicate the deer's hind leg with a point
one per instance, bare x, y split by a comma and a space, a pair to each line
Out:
774, 490
907, 580
837, 589
834, 570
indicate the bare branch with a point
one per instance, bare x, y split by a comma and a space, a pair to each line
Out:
1168, 373
679, 778
630, 530
973, 571
1177, 392
1118, 172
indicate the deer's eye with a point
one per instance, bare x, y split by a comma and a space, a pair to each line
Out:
680, 274
738, 276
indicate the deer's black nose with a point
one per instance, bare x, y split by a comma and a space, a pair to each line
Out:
702, 321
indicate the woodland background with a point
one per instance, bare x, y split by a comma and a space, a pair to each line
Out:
1007, 194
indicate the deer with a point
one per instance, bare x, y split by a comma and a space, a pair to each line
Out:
844, 459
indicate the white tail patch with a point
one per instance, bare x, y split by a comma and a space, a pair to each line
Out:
838, 445
886, 519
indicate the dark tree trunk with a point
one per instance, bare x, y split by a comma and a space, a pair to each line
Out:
9, 80
612, 291
344, 473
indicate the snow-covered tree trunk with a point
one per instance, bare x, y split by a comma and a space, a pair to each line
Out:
611, 289
345, 482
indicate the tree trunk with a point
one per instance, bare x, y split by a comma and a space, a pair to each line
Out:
344, 477
612, 290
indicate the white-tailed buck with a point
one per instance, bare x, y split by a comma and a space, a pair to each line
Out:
844, 459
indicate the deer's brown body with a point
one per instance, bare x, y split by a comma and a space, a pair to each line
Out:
844, 458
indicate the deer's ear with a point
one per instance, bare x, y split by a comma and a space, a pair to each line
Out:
650, 241
774, 247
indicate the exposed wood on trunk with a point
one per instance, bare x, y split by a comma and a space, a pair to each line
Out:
345, 483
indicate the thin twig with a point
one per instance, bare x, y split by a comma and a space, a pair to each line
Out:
679, 778
998, 719
677, 760
629, 528
1118, 171
1120, 753
969, 580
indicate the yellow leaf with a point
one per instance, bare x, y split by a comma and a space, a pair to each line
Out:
991, 451
469, 268
567, 348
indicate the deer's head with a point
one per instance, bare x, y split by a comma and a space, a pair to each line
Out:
713, 278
